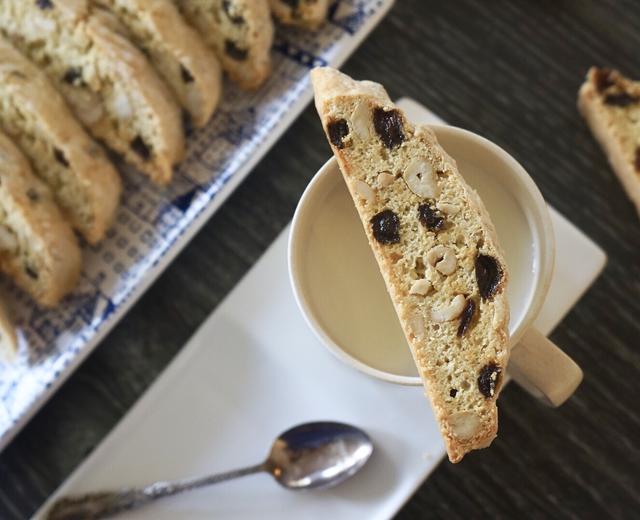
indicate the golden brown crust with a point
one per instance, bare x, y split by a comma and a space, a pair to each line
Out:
610, 103
8, 339
401, 179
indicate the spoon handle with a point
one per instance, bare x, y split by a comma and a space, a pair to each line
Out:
103, 504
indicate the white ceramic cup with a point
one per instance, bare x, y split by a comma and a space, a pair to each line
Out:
341, 293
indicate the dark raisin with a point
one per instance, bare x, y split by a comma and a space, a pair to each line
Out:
187, 123
44, 4
453, 392
388, 125
31, 272
33, 195
489, 274
141, 148
73, 76
235, 19
59, 155
234, 51
386, 227
337, 131
603, 79
637, 161
467, 317
489, 379
430, 217
620, 100
186, 75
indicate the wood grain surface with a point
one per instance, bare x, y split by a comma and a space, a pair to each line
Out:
509, 70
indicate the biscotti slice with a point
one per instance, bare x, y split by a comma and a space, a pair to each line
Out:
240, 32
107, 81
83, 180
8, 339
38, 249
309, 14
177, 52
435, 247
610, 103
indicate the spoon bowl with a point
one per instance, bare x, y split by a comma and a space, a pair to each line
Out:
318, 455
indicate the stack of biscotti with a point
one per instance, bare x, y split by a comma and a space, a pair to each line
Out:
309, 14
105, 78
436, 249
610, 103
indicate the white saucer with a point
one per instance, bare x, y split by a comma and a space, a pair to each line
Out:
252, 370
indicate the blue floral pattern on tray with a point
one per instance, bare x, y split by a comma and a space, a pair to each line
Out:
153, 223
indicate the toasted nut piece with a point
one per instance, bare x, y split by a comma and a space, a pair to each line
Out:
464, 425
8, 241
443, 259
385, 179
420, 287
447, 208
360, 120
451, 311
365, 191
421, 179
416, 324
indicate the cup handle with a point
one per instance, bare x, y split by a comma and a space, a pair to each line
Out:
543, 370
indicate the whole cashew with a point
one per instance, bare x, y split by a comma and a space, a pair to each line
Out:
443, 259
451, 311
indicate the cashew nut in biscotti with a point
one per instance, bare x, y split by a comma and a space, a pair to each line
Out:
443, 259
451, 311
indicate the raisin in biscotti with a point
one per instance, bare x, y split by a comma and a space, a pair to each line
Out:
240, 32
177, 52
610, 103
38, 249
83, 180
8, 339
309, 14
436, 250
106, 80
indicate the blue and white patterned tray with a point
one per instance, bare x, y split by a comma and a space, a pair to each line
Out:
154, 224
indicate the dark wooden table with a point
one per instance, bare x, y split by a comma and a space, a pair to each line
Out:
509, 70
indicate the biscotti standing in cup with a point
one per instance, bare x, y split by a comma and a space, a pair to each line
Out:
610, 103
84, 182
177, 52
38, 249
436, 248
107, 80
240, 32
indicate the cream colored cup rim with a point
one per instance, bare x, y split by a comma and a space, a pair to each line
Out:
542, 230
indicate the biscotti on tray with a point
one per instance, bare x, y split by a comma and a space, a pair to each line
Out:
240, 32
83, 180
107, 81
610, 103
177, 52
38, 249
436, 249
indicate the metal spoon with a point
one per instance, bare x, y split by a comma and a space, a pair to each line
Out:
311, 455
